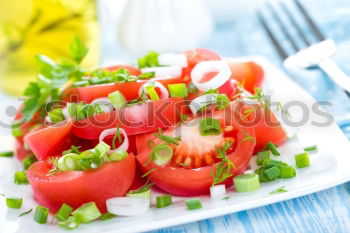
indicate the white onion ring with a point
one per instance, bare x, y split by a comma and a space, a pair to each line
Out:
104, 102
202, 101
164, 93
197, 73
164, 72
128, 206
109, 132
173, 59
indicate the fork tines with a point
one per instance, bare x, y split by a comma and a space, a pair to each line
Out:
285, 18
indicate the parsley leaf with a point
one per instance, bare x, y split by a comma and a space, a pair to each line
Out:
77, 50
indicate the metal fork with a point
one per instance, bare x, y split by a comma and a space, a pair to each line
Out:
307, 55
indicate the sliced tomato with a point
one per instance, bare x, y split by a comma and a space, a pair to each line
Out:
141, 118
190, 171
130, 90
50, 140
78, 187
250, 74
138, 181
132, 70
195, 56
20, 151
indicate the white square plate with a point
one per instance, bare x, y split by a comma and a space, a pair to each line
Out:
329, 167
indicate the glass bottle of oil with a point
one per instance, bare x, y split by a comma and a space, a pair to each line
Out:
32, 27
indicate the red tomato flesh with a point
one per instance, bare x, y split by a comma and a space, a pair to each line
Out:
78, 187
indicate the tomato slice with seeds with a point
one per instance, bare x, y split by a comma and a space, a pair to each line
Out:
189, 173
75, 188
140, 118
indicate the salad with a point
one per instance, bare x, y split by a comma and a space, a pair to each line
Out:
93, 143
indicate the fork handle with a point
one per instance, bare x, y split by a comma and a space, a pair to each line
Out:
335, 73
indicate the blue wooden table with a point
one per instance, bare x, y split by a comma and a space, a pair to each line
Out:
325, 211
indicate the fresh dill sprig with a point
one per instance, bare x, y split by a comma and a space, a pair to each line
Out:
167, 139
223, 170
279, 190
247, 136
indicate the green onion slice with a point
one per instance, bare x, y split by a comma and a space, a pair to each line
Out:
163, 201
70, 223
21, 178
178, 90
149, 88
302, 160
87, 212
41, 214
247, 182
162, 154
28, 160
6, 154
273, 148
209, 126
193, 204
118, 155
64, 212
56, 115
68, 162
117, 99
14, 202
311, 148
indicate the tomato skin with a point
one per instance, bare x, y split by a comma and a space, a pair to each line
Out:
195, 56
141, 118
78, 187
50, 140
194, 182
250, 74
133, 70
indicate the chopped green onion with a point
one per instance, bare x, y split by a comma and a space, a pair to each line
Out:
41, 214
193, 204
56, 115
163, 201
272, 173
302, 160
87, 212
273, 148
16, 129
222, 101
6, 154
147, 75
144, 191
68, 162
267, 163
14, 202
73, 109
107, 216
262, 176
151, 91
162, 154
70, 223
21, 178
178, 90
287, 172
117, 99
262, 156
310, 148
209, 126
102, 148
247, 182
118, 155
28, 160
64, 212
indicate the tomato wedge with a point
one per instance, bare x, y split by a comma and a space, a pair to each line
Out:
78, 187
141, 118
250, 74
50, 140
190, 171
